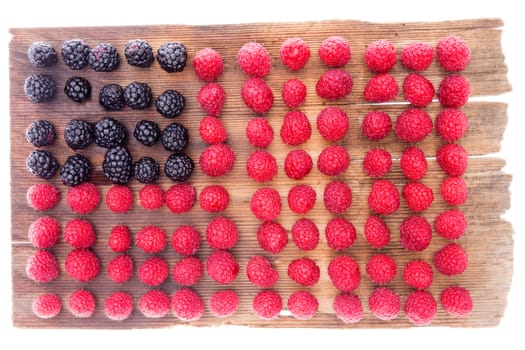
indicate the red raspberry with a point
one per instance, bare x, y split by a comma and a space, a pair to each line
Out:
450, 260
376, 125
214, 199
212, 131
305, 234
335, 51
418, 196
83, 198
267, 304
222, 267
451, 224
153, 272
118, 306
297, 164
180, 198
42, 266
261, 166
207, 64
415, 233
420, 308
119, 199
254, 59
151, 239
332, 124
119, 239
266, 204
418, 274
44, 232
301, 199
337, 197
454, 191
224, 303
302, 305
383, 198
82, 303
82, 265
79, 233
154, 304
384, 303
293, 93
217, 160
456, 301
185, 240
187, 271
333, 160
47, 305
272, 237
377, 233
418, 90
377, 162
453, 53
294, 53
380, 56
451, 124
348, 307
453, 159
257, 95
296, 128
260, 272
413, 125
43, 196
304, 271
187, 305
344, 273
151, 197
334, 84
453, 91
340, 234
417, 56
120, 268
381, 88
413, 163
381, 269
211, 98
221, 233
259, 132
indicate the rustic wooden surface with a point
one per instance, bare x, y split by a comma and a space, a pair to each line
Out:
489, 240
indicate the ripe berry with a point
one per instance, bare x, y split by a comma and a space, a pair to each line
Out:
381, 269
334, 84
212, 131
208, 64
454, 91
413, 163
302, 305
305, 234
377, 162
214, 198
82, 303
217, 160
120, 268
344, 273
304, 271
187, 271
340, 234
301, 199
456, 301
42, 266
83, 198
335, 51
417, 56
376, 233
44, 232
261, 273
294, 53
454, 191
384, 303
187, 305
420, 308
118, 306
119, 239
211, 98
418, 196
381, 88
383, 198
151, 239
453, 53
418, 274
185, 240
376, 125
348, 307
154, 304
267, 304
254, 59
261, 166
293, 93
451, 124
453, 159
272, 237
296, 128
333, 160
265, 204
380, 56
119, 199
257, 95
451, 224
47, 305
42, 196
415, 233
297, 164
224, 303
79, 233
153, 272
337, 197
450, 260
222, 267
413, 125
259, 132
332, 124
180, 198
221, 233
82, 265
151, 197
418, 90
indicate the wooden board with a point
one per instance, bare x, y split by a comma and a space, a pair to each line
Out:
488, 241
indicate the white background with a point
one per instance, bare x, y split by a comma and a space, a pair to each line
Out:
89, 12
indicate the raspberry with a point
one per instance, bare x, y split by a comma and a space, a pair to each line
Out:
332, 124
272, 237
293, 93
335, 51
413, 163
153, 272
151, 239
44, 232
154, 304
266, 204
297, 164
187, 271
377, 162
211, 98
453, 53
417, 56
261, 166
420, 308
47, 305
418, 274
260, 272
294, 53
254, 59
180, 198
418, 196
304, 271
259, 132
381, 88
119, 239
42, 266
454, 191
413, 125
380, 56
214, 198
453, 159
451, 224
454, 91
257, 95
340, 234
118, 306
79, 233
185, 240
224, 303
82, 303
302, 305
450, 260
376, 125
212, 131
381, 269
384, 303
348, 307
187, 305
383, 198
217, 160
415, 233
296, 128
376, 233
456, 301
451, 124
337, 197
305, 234
83, 198
301, 199
208, 64
82, 265
120, 268
42, 196
119, 199
344, 273
333, 160
418, 90
151, 197
222, 267
221, 233
267, 304
334, 84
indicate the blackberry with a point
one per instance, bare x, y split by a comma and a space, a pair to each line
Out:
39, 88
40, 133
139, 53
111, 97
78, 89
42, 164
42, 54
109, 132
174, 137
179, 167
146, 170
172, 57
137, 95
79, 134
170, 103
76, 170
117, 165
104, 58
75, 53
147, 132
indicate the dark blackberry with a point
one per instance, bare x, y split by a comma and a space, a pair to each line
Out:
146, 170
42, 54
109, 132
75, 53
76, 170
139, 53
172, 57
170, 103
137, 95
40, 133
104, 58
147, 132
111, 97
79, 134
42, 164
78, 89
117, 165
174, 137
39, 88
179, 167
